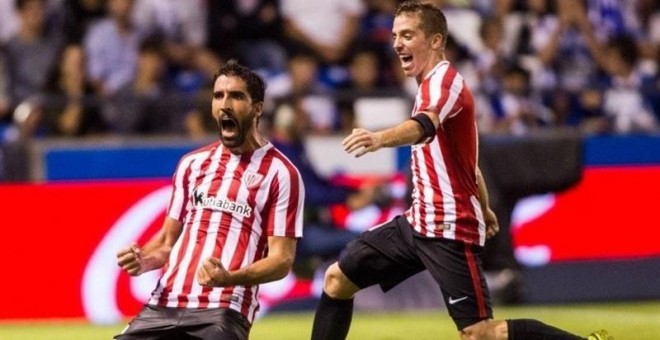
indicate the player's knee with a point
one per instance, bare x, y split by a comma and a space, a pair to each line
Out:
333, 280
337, 285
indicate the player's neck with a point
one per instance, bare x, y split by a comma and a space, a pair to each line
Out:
430, 65
254, 142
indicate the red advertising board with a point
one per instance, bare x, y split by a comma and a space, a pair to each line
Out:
610, 214
55, 238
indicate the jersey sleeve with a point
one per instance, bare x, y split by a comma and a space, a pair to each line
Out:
177, 206
440, 93
287, 197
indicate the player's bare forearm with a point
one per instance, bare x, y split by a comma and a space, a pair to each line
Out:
158, 249
136, 260
265, 270
483, 190
492, 224
362, 141
154, 256
281, 253
408, 132
275, 266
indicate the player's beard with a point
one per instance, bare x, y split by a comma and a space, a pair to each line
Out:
233, 130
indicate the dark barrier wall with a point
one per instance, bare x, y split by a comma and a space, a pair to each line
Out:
14, 161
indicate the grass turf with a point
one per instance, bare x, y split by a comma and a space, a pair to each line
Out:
629, 320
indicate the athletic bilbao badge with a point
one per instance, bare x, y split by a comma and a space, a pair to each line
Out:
252, 179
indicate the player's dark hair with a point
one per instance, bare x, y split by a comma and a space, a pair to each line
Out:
433, 20
256, 86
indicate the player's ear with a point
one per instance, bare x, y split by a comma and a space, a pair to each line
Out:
437, 41
258, 108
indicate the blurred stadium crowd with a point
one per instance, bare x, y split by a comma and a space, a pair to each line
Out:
136, 67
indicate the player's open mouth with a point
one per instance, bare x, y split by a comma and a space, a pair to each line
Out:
406, 60
228, 125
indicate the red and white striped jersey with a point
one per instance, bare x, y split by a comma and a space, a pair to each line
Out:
229, 205
445, 194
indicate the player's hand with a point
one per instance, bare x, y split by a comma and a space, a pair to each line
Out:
492, 225
361, 140
130, 259
213, 274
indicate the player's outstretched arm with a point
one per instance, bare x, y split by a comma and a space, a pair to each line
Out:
407, 132
275, 266
135, 260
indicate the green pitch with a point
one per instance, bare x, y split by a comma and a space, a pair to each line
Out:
630, 320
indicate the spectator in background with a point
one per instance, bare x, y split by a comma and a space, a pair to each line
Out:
635, 25
32, 54
628, 97
5, 99
325, 29
648, 14
78, 16
464, 22
182, 23
375, 33
71, 111
614, 18
250, 30
533, 33
14, 161
491, 61
363, 68
111, 46
149, 103
557, 43
517, 109
571, 48
7, 130
183, 27
363, 81
316, 99
588, 113
196, 124
9, 20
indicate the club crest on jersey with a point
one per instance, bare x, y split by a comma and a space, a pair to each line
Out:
252, 179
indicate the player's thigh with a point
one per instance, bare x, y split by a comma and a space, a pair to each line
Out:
216, 323
383, 255
150, 324
456, 267
158, 323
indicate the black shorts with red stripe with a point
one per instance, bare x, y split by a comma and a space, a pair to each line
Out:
392, 252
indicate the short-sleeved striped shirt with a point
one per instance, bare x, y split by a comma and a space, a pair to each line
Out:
445, 194
229, 205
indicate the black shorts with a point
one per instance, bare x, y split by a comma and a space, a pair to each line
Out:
183, 323
392, 252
